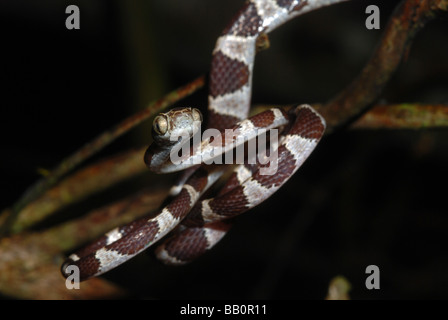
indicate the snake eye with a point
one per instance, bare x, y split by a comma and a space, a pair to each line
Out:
160, 125
197, 115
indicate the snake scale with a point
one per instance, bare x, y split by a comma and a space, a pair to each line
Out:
197, 223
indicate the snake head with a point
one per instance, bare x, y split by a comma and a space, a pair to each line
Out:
168, 128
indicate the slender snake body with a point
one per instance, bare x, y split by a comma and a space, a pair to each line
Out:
197, 223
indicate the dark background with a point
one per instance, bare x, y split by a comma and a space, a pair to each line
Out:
364, 197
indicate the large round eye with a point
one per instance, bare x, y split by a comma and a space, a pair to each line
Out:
197, 115
160, 125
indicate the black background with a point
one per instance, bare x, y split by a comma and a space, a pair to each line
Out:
364, 197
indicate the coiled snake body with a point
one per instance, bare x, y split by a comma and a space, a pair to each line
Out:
200, 223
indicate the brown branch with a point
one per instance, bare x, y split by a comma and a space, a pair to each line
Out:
79, 185
31, 270
76, 232
408, 18
30, 262
404, 116
392, 116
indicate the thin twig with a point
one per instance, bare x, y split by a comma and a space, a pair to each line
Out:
79, 185
404, 116
393, 116
76, 232
408, 18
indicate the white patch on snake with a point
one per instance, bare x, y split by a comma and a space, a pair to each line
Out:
271, 14
110, 258
74, 257
194, 195
274, 16
278, 115
237, 48
256, 193
166, 222
235, 104
299, 147
113, 236
207, 213
175, 190
246, 128
242, 173
213, 236
166, 258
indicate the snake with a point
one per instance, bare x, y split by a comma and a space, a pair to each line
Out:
192, 221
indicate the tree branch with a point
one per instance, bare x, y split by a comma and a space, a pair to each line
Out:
404, 116
408, 18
